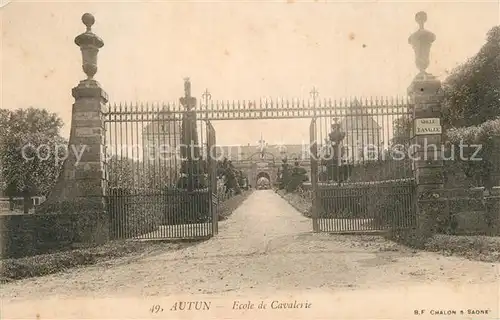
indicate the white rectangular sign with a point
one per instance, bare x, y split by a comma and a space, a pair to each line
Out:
89, 115
428, 126
87, 132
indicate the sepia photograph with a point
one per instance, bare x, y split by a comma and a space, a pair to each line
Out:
257, 159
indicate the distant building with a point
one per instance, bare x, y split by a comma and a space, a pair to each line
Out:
363, 135
244, 152
162, 138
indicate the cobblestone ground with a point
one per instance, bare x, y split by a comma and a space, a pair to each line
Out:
264, 248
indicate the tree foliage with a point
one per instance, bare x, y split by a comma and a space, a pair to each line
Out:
25, 131
298, 175
121, 172
133, 174
291, 177
472, 90
283, 174
471, 108
401, 131
232, 177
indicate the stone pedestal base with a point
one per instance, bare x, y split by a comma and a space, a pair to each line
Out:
432, 212
81, 186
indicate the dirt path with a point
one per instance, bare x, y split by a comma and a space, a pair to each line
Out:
266, 248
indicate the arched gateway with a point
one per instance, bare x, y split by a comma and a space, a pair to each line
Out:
150, 170
263, 175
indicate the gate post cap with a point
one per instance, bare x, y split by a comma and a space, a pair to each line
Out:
421, 41
421, 18
88, 20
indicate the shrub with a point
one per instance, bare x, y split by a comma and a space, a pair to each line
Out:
29, 234
134, 211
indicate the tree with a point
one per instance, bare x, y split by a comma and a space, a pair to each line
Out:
226, 170
121, 172
284, 177
472, 90
401, 131
298, 176
31, 152
242, 180
472, 107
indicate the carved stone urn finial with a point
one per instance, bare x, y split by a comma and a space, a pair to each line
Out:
88, 20
421, 41
187, 101
89, 44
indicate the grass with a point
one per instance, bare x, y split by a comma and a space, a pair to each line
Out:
44, 264
481, 248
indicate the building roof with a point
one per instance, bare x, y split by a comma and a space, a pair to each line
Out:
242, 152
361, 122
358, 119
164, 124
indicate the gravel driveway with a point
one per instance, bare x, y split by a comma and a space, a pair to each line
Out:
266, 250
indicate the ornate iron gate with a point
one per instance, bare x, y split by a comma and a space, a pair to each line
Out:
357, 182
161, 177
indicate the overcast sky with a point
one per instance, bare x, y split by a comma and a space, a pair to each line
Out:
239, 50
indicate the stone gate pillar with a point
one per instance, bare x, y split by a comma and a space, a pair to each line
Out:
81, 187
426, 95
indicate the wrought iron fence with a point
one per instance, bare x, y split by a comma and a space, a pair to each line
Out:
362, 171
160, 173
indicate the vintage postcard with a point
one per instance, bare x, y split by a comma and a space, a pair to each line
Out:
250, 159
